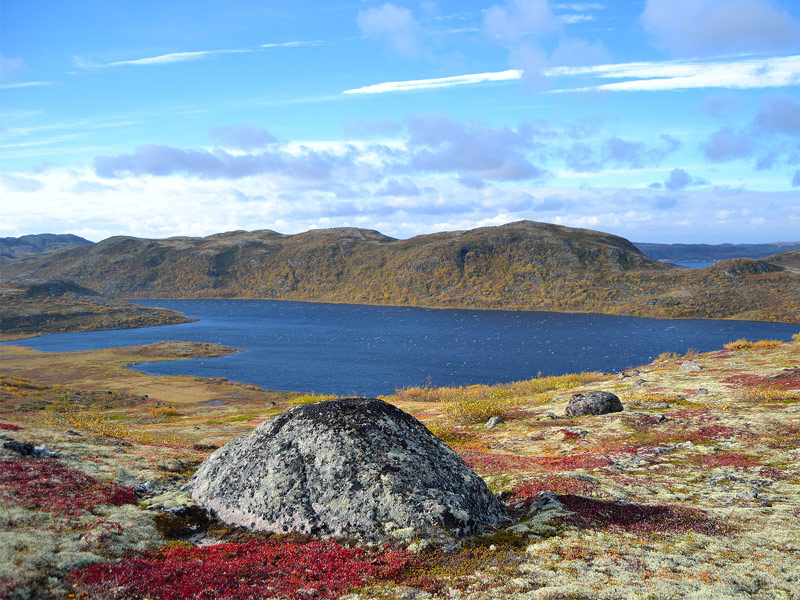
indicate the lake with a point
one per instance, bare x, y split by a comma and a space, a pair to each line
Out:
371, 350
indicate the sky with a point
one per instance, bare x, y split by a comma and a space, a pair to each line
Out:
671, 121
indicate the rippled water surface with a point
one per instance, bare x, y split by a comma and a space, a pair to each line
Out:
370, 350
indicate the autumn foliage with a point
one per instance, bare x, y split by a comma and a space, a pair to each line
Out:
255, 569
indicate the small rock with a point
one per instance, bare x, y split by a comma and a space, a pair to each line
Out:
173, 466
690, 366
656, 405
551, 415
494, 422
702, 391
686, 444
593, 403
177, 503
23, 448
622, 376
639, 383
43, 452
748, 494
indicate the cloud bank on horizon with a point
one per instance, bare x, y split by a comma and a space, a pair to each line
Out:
664, 121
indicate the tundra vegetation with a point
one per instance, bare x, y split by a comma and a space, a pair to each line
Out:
693, 491
518, 266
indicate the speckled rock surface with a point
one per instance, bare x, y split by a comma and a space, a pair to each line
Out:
593, 403
345, 468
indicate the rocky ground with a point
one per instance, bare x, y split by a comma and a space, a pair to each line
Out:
692, 491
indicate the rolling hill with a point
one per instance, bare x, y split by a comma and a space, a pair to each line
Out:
524, 265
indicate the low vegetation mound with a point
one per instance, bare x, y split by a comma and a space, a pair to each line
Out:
345, 468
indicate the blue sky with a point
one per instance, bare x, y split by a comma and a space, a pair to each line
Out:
661, 121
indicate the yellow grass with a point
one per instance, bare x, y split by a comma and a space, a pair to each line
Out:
770, 395
311, 398
743, 344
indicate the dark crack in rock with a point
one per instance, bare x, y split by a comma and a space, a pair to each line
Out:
345, 468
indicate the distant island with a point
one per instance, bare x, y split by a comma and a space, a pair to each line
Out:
518, 266
712, 252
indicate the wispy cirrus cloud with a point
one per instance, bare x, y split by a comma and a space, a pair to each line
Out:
178, 57
162, 59
293, 44
741, 73
24, 84
439, 82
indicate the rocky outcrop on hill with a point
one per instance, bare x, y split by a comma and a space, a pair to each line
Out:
345, 468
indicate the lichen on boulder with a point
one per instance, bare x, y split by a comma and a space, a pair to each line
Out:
348, 468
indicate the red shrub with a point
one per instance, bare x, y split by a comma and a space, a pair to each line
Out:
729, 460
256, 569
45, 484
738, 382
570, 435
493, 463
723, 432
639, 518
523, 495
9, 427
587, 460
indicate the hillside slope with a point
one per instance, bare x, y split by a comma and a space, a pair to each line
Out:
524, 265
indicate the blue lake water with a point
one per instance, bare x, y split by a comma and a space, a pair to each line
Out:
371, 350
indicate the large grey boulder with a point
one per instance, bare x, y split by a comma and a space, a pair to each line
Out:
593, 403
345, 468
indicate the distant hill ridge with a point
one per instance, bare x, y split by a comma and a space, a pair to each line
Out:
523, 265
42, 242
712, 252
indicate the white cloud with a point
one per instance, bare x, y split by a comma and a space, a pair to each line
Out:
713, 27
9, 65
163, 59
517, 19
572, 18
439, 82
77, 200
23, 84
680, 75
395, 25
643, 76
294, 44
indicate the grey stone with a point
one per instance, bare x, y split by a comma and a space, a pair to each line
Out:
702, 391
639, 383
656, 405
353, 467
23, 448
593, 403
690, 366
494, 422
